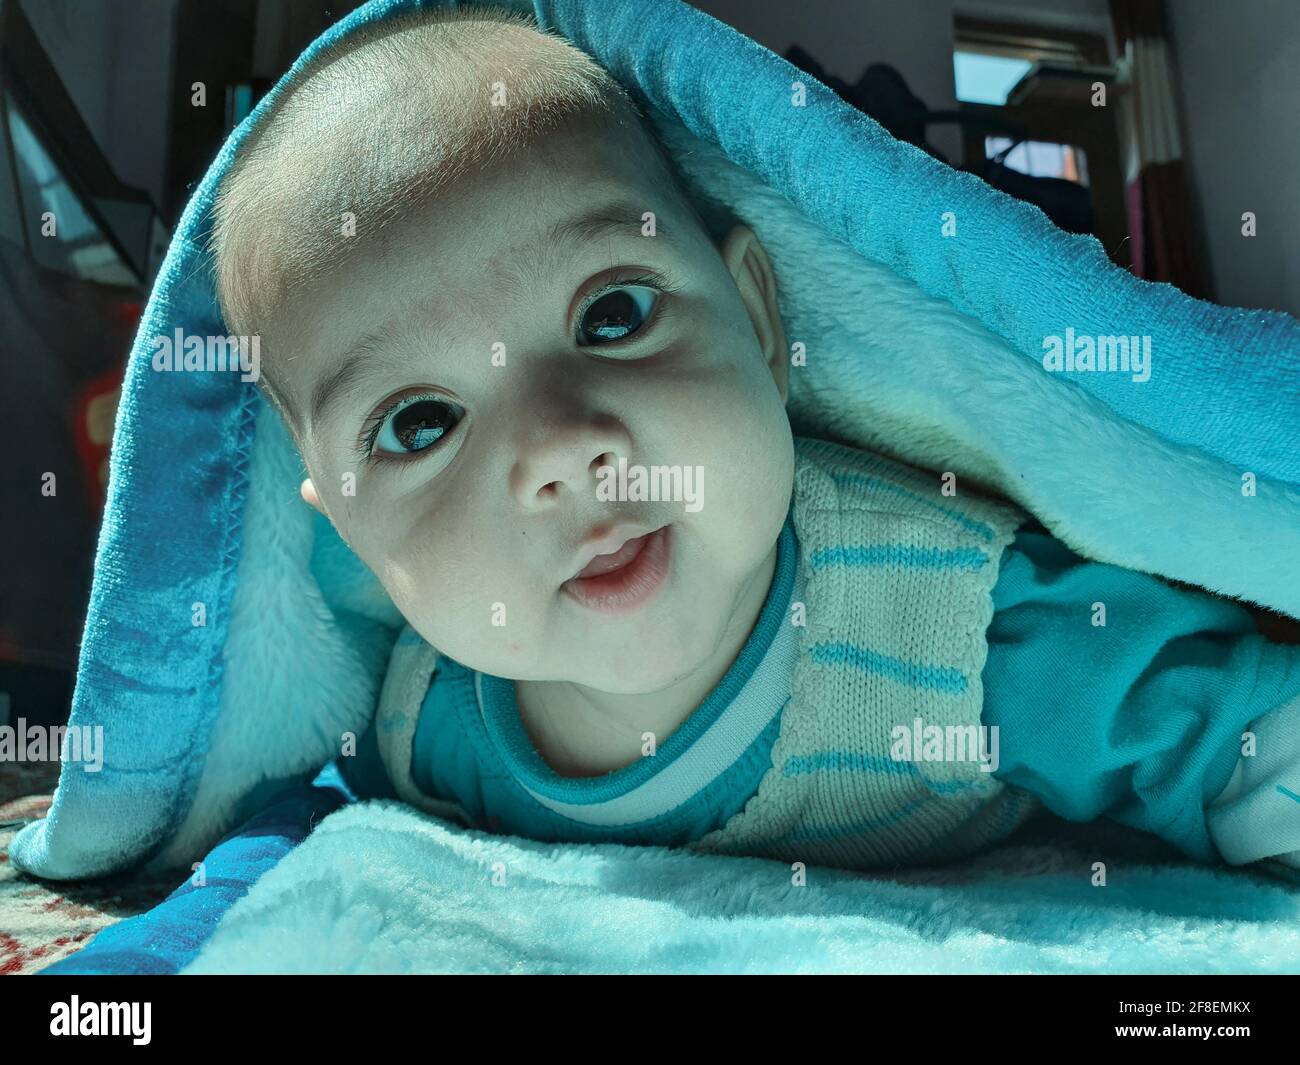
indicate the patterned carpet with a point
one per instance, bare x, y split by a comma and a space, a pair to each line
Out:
44, 921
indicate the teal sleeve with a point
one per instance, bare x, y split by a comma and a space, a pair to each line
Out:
364, 771
1138, 719
448, 761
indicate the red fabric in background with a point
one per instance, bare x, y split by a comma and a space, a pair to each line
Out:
1159, 215
1158, 203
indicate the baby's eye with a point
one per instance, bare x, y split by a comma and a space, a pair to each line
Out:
615, 314
414, 424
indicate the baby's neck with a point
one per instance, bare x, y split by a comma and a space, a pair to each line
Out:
585, 732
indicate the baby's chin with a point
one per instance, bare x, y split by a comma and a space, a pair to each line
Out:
649, 666
655, 671
651, 675
657, 656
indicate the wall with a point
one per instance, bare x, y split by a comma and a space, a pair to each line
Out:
1238, 68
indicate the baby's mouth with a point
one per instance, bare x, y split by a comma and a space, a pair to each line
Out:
624, 580
614, 560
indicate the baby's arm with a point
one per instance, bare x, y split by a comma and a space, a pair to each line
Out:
1119, 695
1258, 814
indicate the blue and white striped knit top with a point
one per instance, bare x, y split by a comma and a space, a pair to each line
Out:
896, 608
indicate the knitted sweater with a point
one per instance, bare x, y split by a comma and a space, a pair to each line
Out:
898, 601
891, 629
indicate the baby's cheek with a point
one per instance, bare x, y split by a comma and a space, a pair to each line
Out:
467, 608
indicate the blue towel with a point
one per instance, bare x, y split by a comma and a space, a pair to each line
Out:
232, 639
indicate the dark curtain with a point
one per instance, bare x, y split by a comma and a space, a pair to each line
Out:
1159, 206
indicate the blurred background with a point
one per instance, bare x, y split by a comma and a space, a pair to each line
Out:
100, 124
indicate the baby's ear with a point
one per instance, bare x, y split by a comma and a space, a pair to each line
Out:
747, 259
309, 495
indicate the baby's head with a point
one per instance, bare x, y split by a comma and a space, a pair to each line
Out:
476, 282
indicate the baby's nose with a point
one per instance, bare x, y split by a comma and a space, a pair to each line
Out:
556, 466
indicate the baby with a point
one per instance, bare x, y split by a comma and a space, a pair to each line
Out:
479, 287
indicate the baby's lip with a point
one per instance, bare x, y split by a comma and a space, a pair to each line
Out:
606, 540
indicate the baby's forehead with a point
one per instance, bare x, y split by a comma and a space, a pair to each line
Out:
486, 242
584, 163
448, 177
363, 135
515, 223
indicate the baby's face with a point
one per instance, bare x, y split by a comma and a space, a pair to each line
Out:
458, 450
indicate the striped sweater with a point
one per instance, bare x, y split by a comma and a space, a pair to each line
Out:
897, 605
891, 605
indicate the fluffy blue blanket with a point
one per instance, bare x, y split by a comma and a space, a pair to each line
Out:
380, 888
927, 302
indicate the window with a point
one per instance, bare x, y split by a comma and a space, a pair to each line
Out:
987, 79
990, 58
1040, 158
78, 246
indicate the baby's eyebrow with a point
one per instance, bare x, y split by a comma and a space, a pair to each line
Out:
620, 218
356, 364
